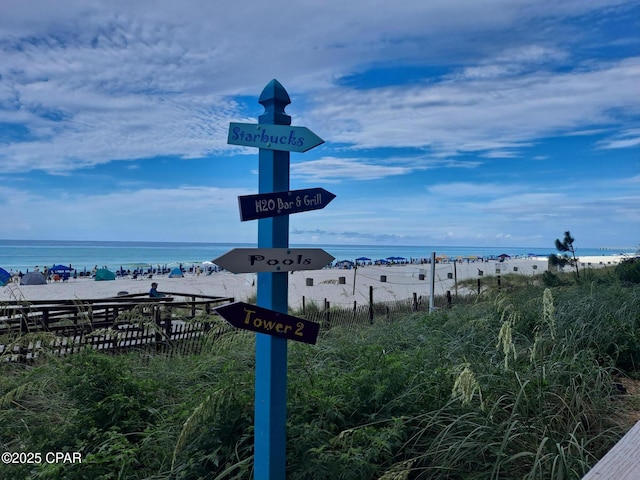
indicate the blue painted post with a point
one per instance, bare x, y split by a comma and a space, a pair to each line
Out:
271, 351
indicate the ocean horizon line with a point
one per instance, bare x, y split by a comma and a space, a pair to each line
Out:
21, 255
350, 245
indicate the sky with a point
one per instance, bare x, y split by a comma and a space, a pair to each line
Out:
446, 122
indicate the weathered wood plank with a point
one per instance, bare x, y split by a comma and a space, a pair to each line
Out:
622, 462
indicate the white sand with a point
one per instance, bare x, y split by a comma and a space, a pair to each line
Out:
402, 281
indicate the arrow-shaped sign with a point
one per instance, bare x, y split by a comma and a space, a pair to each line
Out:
266, 205
262, 320
252, 260
273, 137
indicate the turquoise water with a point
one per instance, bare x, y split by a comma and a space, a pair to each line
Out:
23, 255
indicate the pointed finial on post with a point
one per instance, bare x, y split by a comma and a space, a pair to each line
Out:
274, 98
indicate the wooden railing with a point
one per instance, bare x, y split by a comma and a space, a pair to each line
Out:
110, 324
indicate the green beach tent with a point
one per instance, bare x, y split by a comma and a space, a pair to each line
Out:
104, 274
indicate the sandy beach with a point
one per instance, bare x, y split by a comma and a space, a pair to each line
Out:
341, 287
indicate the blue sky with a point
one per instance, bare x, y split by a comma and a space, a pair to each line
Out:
446, 122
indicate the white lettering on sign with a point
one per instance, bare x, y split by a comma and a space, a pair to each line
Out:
265, 205
280, 205
312, 201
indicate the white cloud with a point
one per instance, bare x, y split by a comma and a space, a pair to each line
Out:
343, 169
469, 189
95, 81
180, 214
625, 139
477, 115
86, 82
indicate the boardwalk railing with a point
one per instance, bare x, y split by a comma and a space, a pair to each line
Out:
27, 328
174, 324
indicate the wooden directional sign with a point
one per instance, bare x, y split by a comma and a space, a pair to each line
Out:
263, 320
253, 207
273, 137
252, 260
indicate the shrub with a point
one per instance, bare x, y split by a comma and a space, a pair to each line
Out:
629, 270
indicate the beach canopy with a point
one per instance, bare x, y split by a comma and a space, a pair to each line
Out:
363, 259
4, 277
33, 278
344, 264
504, 255
176, 273
103, 274
60, 268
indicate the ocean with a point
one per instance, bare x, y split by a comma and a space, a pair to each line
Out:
24, 255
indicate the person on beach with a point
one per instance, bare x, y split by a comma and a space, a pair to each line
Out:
154, 293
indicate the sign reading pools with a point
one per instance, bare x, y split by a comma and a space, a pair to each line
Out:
253, 260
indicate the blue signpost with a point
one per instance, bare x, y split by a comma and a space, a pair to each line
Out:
271, 352
275, 138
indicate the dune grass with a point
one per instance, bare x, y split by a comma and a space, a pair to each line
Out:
518, 385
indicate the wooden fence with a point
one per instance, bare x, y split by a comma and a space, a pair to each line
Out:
363, 314
29, 328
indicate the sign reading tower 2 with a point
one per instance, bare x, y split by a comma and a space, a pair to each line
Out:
275, 138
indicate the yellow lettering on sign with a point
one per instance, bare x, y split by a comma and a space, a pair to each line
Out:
248, 317
271, 325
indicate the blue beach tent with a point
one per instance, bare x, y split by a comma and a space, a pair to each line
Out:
176, 273
33, 278
4, 277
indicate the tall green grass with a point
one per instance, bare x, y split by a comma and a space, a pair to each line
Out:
518, 385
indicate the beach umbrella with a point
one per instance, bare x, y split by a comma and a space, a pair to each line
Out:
33, 278
60, 268
4, 277
363, 259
